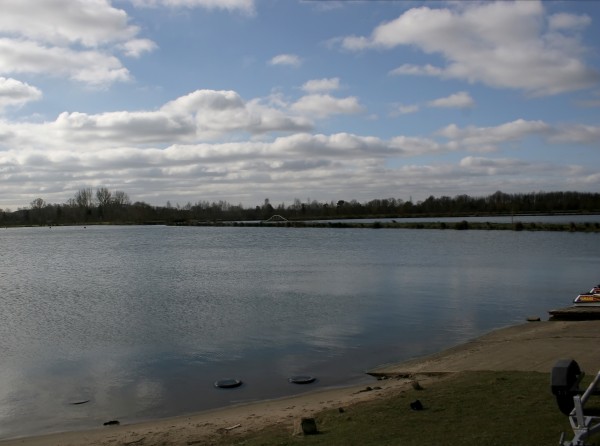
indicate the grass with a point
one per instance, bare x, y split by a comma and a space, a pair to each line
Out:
465, 409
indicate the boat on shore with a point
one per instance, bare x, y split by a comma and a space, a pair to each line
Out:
589, 299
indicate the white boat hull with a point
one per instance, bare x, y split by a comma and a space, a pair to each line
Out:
591, 299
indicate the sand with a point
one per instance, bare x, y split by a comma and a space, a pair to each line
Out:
533, 346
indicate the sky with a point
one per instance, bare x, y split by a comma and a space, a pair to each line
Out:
186, 101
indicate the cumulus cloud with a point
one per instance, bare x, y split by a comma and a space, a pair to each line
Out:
494, 163
90, 67
577, 133
500, 168
198, 116
204, 144
321, 85
61, 22
415, 146
457, 100
291, 60
461, 100
37, 156
565, 21
246, 6
15, 93
404, 109
323, 105
487, 138
417, 70
72, 38
500, 44
137, 47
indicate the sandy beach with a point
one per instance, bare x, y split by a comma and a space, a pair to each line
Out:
532, 346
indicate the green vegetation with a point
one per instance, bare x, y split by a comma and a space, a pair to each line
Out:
104, 206
466, 409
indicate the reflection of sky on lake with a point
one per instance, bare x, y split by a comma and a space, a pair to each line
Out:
142, 321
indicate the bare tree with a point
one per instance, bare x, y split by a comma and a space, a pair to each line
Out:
38, 204
103, 196
120, 198
83, 198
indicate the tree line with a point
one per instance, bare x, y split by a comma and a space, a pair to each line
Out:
105, 206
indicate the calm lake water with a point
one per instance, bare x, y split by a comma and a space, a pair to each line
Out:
140, 321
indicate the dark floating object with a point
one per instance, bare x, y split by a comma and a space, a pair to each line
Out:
80, 402
228, 383
303, 379
112, 423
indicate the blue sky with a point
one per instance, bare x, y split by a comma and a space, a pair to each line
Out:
242, 100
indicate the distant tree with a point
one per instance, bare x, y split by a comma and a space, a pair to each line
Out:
268, 209
38, 203
103, 197
84, 198
120, 198
36, 216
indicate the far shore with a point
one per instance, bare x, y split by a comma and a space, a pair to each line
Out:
532, 346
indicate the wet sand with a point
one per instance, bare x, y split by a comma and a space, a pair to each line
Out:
532, 346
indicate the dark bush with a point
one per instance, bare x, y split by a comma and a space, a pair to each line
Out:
462, 225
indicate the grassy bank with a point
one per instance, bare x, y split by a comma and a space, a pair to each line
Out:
464, 409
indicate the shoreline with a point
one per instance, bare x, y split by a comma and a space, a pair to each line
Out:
532, 346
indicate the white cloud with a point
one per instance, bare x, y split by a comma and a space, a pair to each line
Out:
404, 109
495, 163
511, 174
246, 6
460, 100
40, 157
564, 21
337, 144
416, 70
577, 133
199, 116
71, 38
137, 47
15, 93
486, 138
323, 105
91, 67
61, 22
415, 146
320, 85
501, 44
291, 60
457, 100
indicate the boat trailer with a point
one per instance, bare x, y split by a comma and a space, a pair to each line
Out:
566, 377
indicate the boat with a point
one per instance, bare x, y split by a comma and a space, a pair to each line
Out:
591, 298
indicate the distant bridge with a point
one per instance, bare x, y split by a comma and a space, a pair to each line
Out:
275, 218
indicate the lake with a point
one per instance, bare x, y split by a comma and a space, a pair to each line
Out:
139, 322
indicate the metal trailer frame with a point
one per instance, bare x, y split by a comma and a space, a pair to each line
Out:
583, 426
